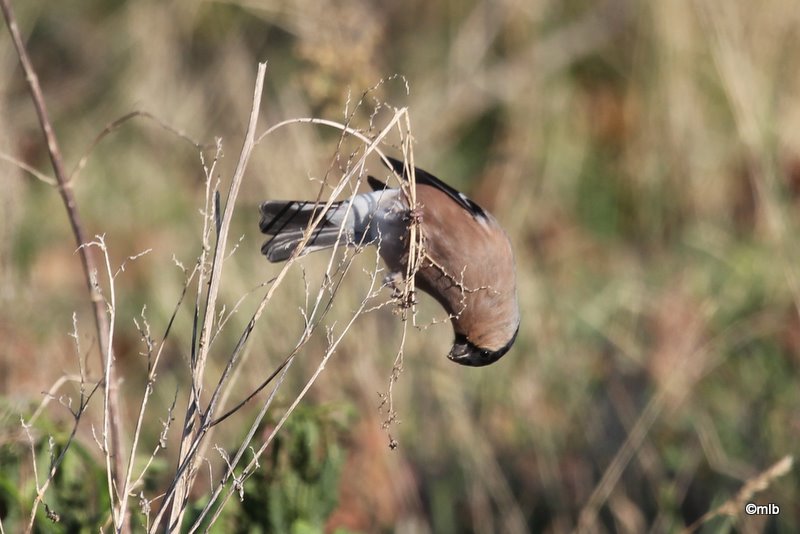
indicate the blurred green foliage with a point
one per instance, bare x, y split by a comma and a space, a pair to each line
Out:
294, 491
76, 500
296, 487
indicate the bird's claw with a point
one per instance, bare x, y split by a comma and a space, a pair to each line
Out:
413, 216
395, 281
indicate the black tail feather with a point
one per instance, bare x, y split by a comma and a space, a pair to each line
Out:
278, 215
286, 222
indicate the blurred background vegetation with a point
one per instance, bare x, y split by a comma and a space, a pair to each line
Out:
643, 156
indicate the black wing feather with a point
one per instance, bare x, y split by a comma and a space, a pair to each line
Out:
376, 184
424, 177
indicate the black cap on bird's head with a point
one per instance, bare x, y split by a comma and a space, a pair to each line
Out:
464, 352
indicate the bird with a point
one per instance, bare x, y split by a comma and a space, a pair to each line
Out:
467, 266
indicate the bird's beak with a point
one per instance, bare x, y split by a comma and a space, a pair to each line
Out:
466, 354
459, 351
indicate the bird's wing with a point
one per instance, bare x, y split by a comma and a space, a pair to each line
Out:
424, 177
376, 184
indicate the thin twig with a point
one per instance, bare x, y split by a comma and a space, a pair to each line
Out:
27, 168
178, 504
113, 486
197, 433
250, 468
40, 490
311, 321
115, 125
68, 198
151, 376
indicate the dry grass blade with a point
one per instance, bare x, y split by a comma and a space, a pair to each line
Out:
735, 506
114, 125
198, 366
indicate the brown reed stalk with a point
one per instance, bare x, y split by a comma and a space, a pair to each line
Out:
87, 260
192, 432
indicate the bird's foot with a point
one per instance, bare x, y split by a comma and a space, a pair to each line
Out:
396, 281
393, 281
413, 216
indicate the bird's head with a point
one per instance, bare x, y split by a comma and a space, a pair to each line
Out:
464, 352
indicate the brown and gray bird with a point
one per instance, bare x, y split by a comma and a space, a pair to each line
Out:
468, 265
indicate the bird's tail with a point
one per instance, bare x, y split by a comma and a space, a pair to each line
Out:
287, 220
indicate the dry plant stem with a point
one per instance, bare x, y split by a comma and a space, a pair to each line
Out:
112, 307
735, 506
372, 146
116, 124
198, 366
40, 490
415, 254
50, 394
76, 415
151, 377
286, 363
68, 198
325, 122
209, 218
310, 324
253, 464
283, 369
193, 450
118, 514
